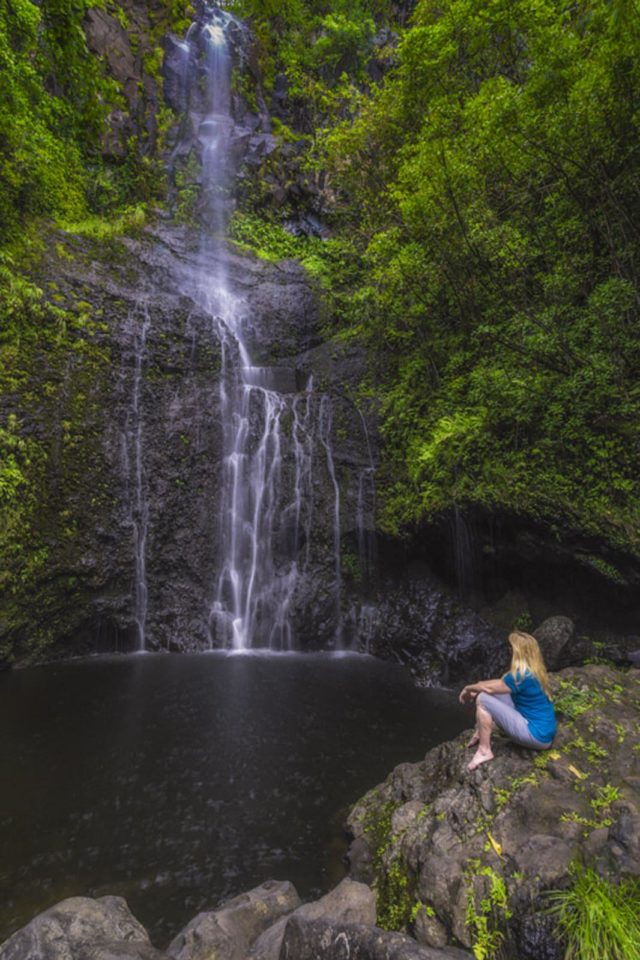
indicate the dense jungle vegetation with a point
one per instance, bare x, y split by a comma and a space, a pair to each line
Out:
477, 164
493, 187
489, 187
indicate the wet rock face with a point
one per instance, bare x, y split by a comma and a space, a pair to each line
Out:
159, 450
135, 442
422, 623
135, 467
521, 819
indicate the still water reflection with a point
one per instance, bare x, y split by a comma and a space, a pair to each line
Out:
177, 781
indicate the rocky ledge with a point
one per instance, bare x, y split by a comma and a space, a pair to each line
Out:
468, 858
442, 861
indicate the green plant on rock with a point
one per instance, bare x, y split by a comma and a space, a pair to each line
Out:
601, 804
573, 701
392, 882
504, 794
593, 752
596, 918
604, 798
486, 918
395, 896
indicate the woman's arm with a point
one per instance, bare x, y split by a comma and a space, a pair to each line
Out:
471, 691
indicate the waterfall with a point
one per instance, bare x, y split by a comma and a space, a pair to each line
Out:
271, 423
259, 564
138, 324
326, 426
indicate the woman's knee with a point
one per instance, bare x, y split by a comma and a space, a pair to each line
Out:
483, 699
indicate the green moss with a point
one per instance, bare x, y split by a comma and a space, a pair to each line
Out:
393, 883
573, 701
487, 909
48, 361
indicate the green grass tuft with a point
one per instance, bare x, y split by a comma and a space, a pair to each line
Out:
598, 919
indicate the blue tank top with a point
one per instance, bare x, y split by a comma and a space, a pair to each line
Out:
532, 702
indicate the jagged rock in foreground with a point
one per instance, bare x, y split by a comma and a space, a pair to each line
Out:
356, 941
103, 929
439, 843
228, 932
349, 902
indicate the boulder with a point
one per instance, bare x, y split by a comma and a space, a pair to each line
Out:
304, 938
554, 634
228, 932
121, 951
349, 902
81, 927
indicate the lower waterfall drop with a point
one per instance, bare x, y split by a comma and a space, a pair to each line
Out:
139, 323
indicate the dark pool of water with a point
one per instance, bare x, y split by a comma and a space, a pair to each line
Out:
176, 781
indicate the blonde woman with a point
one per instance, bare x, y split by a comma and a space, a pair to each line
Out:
519, 703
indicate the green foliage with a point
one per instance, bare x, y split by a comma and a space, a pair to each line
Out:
600, 804
56, 98
395, 896
53, 102
129, 220
492, 188
485, 917
322, 49
597, 918
574, 701
392, 882
328, 261
267, 239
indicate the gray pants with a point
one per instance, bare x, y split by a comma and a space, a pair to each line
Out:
503, 711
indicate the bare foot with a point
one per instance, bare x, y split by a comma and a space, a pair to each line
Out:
474, 739
480, 756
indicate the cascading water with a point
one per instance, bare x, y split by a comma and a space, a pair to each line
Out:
326, 425
254, 591
270, 427
365, 510
133, 452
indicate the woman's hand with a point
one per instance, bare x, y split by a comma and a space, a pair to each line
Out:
471, 691
467, 693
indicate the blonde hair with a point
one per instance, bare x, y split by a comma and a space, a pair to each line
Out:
526, 655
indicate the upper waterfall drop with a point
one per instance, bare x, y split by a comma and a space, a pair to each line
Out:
277, 432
